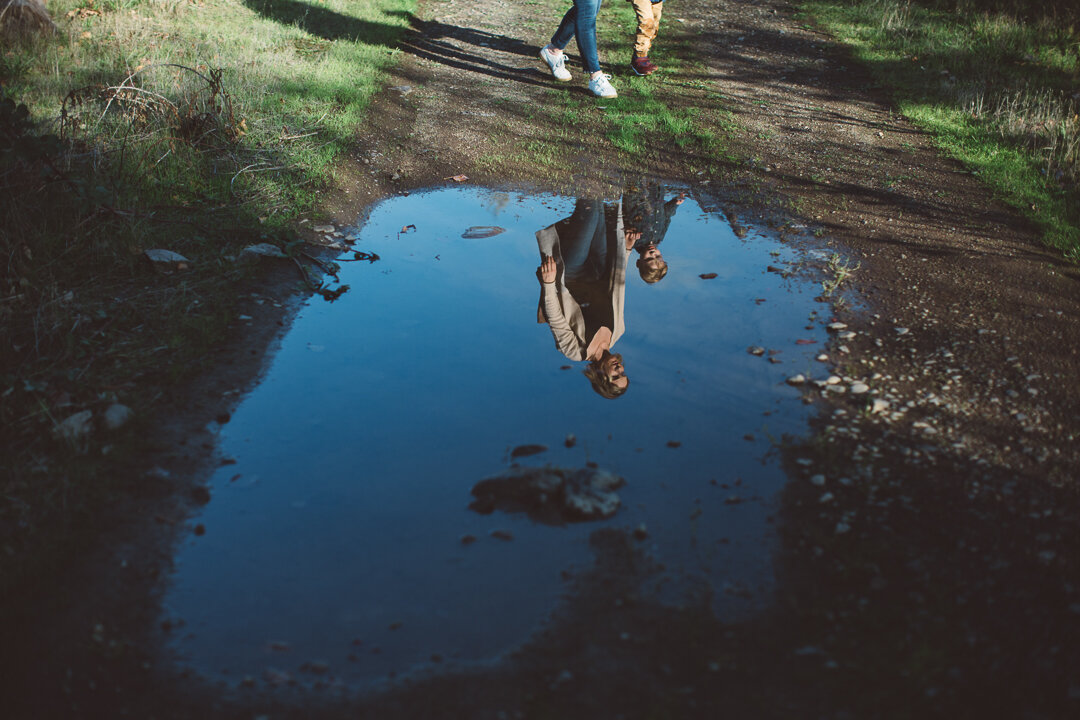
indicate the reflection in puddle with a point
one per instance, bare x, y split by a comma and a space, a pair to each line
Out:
341, 543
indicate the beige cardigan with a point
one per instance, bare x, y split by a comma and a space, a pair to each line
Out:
560, 310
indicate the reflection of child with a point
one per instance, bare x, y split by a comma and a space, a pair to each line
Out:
648, 24
646, 213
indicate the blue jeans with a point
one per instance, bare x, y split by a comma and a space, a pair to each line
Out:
580, 22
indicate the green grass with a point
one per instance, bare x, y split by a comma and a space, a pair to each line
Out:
997, 93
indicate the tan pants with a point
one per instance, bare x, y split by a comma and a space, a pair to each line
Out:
648, 24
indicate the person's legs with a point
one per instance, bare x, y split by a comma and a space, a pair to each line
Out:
585, 33
579, 21
648, 21
566, 29
577, 235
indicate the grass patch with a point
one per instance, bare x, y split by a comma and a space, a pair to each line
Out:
995, 83
197, 126
648, 114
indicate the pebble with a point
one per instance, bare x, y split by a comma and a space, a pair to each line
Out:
756, 350
822, 358
837, 326
116, 416
818, 480
879, 405
902, 331
833, 380
842, 527
796, 379
827, 497
859, 388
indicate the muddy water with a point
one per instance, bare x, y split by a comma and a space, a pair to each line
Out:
333, 545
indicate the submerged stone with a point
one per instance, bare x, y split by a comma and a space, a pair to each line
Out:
550, 495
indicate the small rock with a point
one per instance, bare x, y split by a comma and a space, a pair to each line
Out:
116, 416
837, 326
526, 450
826, 498
75, 429
858, 388
756, 350
818, 480
833, 380
879, 405
252, 253
324, 228
842, 527
902, 331
167, 261
822, 358
796, 379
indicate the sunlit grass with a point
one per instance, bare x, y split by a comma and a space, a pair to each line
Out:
999, 94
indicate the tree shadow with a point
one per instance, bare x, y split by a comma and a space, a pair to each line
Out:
325, 23
427, 39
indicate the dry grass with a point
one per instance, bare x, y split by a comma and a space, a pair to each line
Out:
22, 16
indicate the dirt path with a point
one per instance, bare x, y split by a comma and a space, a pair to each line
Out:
941, 576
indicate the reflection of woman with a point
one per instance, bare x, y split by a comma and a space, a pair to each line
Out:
582, 288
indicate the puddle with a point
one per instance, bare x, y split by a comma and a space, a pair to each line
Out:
333, 545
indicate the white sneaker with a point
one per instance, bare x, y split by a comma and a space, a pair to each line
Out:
557, 64
601, 86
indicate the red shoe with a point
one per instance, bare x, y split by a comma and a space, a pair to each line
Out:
642, 66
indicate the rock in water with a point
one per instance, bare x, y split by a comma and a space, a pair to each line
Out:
550, 495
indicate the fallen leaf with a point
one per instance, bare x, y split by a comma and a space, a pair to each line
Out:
800, 341
674, 443
707, 276
459, 178
407, 228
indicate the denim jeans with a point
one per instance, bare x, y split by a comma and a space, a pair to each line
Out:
579, 22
